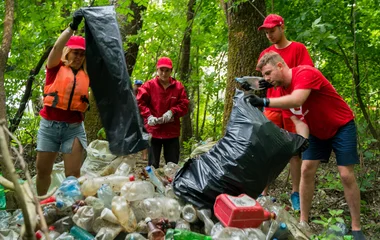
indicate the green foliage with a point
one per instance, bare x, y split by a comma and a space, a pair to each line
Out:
330, 181
329, 223
101, 134
188, 147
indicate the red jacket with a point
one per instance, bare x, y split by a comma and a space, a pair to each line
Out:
154, 100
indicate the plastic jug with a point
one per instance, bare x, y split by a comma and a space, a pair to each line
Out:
241, 211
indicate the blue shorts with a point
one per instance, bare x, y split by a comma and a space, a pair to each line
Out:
344, 144
56, 136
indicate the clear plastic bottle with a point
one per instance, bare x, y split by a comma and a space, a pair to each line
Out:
231, 233
153, 178
151, 208
170, 169
123, 169
92, 185
169, 191
154, 233
106, 194
189, 213
81, 234
137, 190
65, 236
171, 208
50, 214
96, 203
135, 236
124, 213
52, 233
182, 224
272, 229
68, 193
205, 216
282, 232
254, 234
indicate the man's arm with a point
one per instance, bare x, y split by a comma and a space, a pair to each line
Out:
296, 99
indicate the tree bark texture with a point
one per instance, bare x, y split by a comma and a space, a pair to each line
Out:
92, 120
131, 29
245, 44
4, 51
184, 70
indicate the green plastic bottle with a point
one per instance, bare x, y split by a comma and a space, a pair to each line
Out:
180, 234
3, 200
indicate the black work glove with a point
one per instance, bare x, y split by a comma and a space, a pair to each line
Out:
246, 86
77, 19
258, 102
264, 84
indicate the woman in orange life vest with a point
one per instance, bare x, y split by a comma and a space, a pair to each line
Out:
65, 101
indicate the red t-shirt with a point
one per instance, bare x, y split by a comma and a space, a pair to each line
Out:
324, 110
294, 55
56, 114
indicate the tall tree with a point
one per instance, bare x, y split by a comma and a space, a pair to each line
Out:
184, 69
245, 44
4, 51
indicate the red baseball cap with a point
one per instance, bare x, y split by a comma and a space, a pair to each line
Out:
165, 62
271, 21
76, 42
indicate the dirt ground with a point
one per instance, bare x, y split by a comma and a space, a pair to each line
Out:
327, 196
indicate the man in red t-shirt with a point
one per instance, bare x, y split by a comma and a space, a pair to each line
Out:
330, 121
294, 54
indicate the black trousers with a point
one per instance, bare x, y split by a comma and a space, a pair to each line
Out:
171, 151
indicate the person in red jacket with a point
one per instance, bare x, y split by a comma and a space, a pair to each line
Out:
65, 101
162, 101
312, 98
294, 54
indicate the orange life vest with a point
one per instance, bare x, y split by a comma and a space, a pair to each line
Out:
68, 91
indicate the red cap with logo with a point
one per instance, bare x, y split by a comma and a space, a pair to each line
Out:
76, 42
271, 21
164, 62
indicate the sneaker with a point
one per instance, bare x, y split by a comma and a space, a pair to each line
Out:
295, 200
358, 235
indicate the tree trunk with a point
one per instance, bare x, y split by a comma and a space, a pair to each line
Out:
245, 44
4, 51
184, 70
132, 29
92, 120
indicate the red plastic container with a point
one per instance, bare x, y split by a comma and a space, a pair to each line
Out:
48, 200
240, 212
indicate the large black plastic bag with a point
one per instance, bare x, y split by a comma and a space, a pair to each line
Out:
252, 154
110, 82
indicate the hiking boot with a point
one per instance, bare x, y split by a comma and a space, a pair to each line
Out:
295, 200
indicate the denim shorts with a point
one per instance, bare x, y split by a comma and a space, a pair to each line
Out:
56, 136
344, 145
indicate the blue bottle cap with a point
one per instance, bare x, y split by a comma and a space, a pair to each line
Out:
148, 169
59, 204
283, 225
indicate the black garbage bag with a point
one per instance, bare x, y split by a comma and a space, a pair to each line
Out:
110, 83
252, 154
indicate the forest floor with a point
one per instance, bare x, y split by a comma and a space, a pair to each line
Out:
328, 193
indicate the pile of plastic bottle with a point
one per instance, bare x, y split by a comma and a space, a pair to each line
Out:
126, 206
